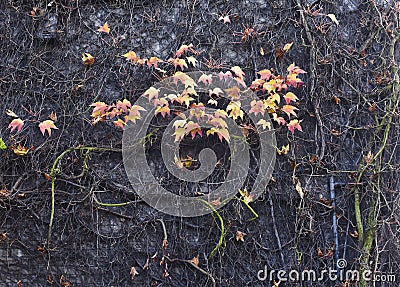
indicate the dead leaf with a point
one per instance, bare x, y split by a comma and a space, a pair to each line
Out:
195, 260
240, 235
333, 18
19, 150
320, 253
297, 186
64, 282
262, 51
287, 47
216, 202
146, 265
133, 272
53, 116
87, 59
104, 28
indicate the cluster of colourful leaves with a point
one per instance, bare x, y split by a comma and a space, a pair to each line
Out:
17, 124
271, 88
121, 112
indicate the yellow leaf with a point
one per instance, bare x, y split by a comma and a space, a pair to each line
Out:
284, 150
47, 125
333, 18
287, 47
104, 28
87, 59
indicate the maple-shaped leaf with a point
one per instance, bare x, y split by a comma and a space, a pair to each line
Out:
293, 69
153, 61
151, 93
192, 60
257, 107
100, 109
134, 113
287, 47
193, 128
180, 62
87, 59
240, 81
206, 79
233, 92
184, 99
235, 110
212, 102
289, 110
293, 80
225, 19
197, 110
290, 97
225, 75
222, 133
11, 114
47, 125
294, 124
179, 123
256, 84
238, 71
104, 28
16, 124
265, 74
216, 91
240, 235
217, 122
220, 113
184, 78
131, 56
275, 97
183, 49
279, 120
270, 105
164, 110
179, 134
284, 150
119, 123
264, 124
125, 105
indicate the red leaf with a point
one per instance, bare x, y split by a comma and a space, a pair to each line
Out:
47, 125
16, 124
104, 28
294, 124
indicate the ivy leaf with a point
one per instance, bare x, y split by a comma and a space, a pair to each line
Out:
333, 18
294, 124
289, 110
16, 124
3, 145
163, 111
20, 150
134, 113
279, 120
206, 79
283, 150
193, 128
257, 107
131, 56
47, 125
222, 133
265, 74
11, 114
225, 19
153, 61
235, 110
212, 102
216, 91
225, 75
119, 123
192, 60
184, 78
87, 59
287, 47
179, 134
183, 49
100, 109
238, 71
104, 28
125, 105
264, 124
290, 97
179, 124
151, 93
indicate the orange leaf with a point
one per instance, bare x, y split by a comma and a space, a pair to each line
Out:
265, 74
294, 124
100, 109
153, 62
119, 123
131, 56
16, 124
195, 260
183, 49
163, 111
20, 150
47, 125
87, 59
104, 28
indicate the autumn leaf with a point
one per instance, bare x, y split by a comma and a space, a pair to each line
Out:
284, 150
297, 186
238, 71
179, 123
11, 114
233, 92
195, 260
217, 122
264, 124
290, 97
225, 19
216, 91
333, 18
183, 49
320, 253
287, 47
192, 60
151, 93
235, 110
294, 124
104, 28
225, 75
279, 120
164, 110
134, 113
53, 116
179, 134
212, 102
3, 145
193, 128
206, 79
184, 78
179, 62
220, 113
47, 125
257, 107
247, 197
221, 133
289, 110
265, 74
133, 272
119, 123
153, 61
16, 124
19, 150
131, 56
100, 108
240, 235
87, 59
